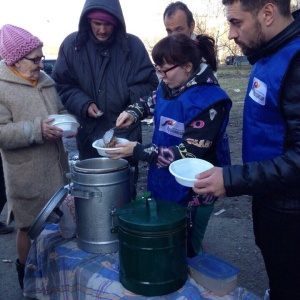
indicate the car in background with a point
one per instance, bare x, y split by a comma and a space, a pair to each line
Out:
49, 65
241, 61
229, 60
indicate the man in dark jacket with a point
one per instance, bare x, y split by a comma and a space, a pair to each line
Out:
269, 35
99, 71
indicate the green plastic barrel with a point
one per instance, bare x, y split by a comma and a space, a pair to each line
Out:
152, 247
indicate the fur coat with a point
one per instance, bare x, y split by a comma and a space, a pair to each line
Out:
34, 168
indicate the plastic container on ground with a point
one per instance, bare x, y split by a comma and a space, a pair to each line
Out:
213, 273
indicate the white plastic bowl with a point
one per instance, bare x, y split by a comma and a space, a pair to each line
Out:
61, 119
184, 170
98, 144
69, 128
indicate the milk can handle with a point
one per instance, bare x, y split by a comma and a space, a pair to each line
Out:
152, 207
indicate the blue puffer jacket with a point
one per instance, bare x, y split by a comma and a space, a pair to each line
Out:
113, 74
275, 181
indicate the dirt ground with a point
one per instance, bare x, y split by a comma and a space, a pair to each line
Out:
229, 235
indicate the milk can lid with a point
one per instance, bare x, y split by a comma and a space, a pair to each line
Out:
100, 165
151, 216
46, 216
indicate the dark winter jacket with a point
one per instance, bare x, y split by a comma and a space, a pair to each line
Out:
275, 181
111, 74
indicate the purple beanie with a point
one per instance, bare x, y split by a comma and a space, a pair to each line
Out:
99, 14
16, 42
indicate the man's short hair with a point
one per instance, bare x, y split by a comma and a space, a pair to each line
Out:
178, 5
254, 6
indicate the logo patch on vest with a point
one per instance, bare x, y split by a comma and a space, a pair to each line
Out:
171, 127
258, 91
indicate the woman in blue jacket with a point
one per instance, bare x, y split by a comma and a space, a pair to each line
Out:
191, 113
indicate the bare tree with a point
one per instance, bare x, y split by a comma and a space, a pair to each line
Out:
295, 5
216, 26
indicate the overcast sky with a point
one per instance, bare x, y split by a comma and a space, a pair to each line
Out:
53, 20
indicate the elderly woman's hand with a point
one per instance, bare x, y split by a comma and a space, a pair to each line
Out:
50, 132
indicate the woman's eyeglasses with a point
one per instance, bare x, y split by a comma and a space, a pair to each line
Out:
36, 60
164, 72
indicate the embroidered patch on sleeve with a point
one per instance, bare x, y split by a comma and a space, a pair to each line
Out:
199, 143
198, 124
212, 114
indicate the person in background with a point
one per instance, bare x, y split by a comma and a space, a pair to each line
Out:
3, 227
99, 71
191, 113
179, 19
34, 158
269, 35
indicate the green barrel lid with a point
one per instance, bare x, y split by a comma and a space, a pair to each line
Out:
149, 216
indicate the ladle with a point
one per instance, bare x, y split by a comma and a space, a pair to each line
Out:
108, 135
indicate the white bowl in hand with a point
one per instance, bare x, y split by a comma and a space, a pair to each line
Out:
69, 128
61, 119
184, 170
67, 123
100, 146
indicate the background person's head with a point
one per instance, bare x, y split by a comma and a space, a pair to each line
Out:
177, 57
21, 50
102, 24
178, 19
253, 23
254, 6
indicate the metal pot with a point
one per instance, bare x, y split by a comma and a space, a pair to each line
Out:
100, 186
152, 250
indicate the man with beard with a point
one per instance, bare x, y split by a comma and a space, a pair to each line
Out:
269, 35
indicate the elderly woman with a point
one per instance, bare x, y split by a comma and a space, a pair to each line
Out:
33, 154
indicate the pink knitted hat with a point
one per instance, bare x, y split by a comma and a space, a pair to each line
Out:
99, 14
16, 42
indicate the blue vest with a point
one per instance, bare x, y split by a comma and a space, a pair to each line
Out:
264, 128
170, 119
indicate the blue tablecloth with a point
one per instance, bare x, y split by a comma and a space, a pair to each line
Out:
57, 269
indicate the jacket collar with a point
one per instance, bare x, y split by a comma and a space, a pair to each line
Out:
278, 41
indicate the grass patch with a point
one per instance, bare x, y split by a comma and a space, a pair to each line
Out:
235, 81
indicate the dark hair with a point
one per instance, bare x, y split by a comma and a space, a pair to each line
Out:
254, 6
180, 49
173, 7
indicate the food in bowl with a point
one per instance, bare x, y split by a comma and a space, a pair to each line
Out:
101, 147
184, 170
112, 144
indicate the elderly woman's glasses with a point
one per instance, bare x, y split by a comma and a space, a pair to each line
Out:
164, 72
36, 60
